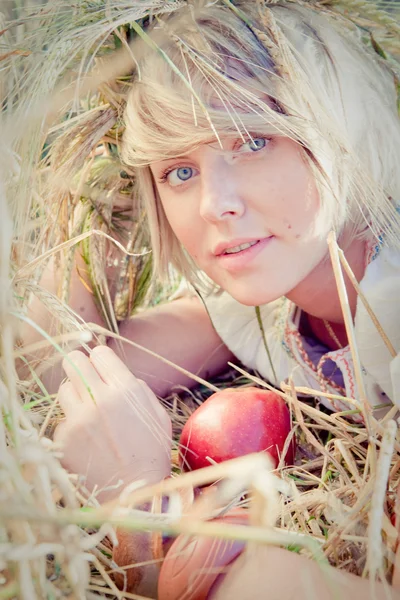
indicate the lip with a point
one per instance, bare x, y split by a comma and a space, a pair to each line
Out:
222, 246
239, 260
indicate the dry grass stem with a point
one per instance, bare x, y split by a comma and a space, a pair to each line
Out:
375, 545
64, 193
348, 320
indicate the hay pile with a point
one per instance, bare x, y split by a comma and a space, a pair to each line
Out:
62, 189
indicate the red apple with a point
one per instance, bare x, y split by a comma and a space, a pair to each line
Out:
233, 423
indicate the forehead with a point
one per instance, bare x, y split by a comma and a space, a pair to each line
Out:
168, 118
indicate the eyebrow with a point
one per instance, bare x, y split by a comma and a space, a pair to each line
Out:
235, 135
185, 155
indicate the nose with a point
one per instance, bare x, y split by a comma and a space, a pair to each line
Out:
220, 198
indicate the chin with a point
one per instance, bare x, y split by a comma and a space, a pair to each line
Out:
267, 285
251, 293
255, 297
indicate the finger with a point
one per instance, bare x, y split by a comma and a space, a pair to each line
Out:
146, 402
153, 416
61, 434
159, 410
82, 374
113, 370
68, 398
58, 434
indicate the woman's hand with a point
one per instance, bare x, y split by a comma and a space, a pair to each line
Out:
115, 428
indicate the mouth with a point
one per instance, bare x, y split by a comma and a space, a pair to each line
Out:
236, 257
240, 247
236, 246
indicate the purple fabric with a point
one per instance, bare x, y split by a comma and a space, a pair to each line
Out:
315, 351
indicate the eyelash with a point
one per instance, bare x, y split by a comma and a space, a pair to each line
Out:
164, 175
254, 136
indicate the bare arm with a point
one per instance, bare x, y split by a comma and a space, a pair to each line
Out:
180, 331
263, 572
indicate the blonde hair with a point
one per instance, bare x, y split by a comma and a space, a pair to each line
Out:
324, 89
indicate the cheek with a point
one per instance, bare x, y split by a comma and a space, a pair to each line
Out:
288, 191
311, 194
312, 206
300, 206
183, 224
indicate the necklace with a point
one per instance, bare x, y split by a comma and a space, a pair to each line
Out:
332, 334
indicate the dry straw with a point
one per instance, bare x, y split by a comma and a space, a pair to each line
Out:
334, 505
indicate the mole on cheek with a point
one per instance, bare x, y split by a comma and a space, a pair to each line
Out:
287, 224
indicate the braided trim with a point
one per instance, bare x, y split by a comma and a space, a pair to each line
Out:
324, 382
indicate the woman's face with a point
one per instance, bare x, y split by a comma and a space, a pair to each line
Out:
246, 215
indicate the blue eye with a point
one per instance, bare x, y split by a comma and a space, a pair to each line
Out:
184, 173
180, 175
257, 144
254, 145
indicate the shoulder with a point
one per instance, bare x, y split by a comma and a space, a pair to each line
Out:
236, 321
383, 261
381, 289
248, 337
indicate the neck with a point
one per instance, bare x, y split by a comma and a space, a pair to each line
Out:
317, 294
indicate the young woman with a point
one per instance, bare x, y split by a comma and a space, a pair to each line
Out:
266, 129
